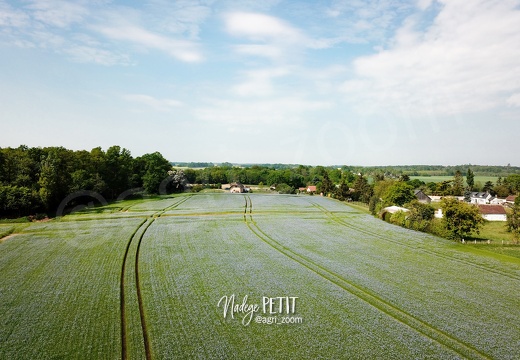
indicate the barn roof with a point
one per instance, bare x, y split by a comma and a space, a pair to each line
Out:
492, 209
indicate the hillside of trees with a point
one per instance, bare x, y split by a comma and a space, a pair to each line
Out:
37, 180
410, 170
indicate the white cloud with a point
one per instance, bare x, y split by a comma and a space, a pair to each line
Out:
162, 105
270, 36
467, 61
514, 100
365, 21
424, 4
179, 17
183, 50
89, 54
58, 13
47, 24
259, 82
260, 27
282, 111
10, 17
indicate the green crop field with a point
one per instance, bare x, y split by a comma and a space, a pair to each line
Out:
436, 179
236, 276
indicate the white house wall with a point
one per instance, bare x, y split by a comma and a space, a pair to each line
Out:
495, 217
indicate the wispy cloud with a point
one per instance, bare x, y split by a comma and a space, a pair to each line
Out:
283, 111
181, 17
119, 30
259, 82
10, 17
180, 49
91, 54
467, 61
269, 36
59, 13
162, 105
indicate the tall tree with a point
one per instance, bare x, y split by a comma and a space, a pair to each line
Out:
488, 187
457, 188
118, 170
362, 189
54, 178
327, 186
343, 191
470, 179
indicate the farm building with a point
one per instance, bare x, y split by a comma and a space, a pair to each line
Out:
236, 188
493, 212
392, 210
422, 197
510, 199
497, 201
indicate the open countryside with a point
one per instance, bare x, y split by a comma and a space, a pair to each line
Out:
145, 279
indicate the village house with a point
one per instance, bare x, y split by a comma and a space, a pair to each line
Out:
493, 212
422, 197
236, 187
481, 198
311, 189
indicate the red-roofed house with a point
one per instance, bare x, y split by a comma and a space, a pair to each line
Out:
311, 189
511, 199
493, 212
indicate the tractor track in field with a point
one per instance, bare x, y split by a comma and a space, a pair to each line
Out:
145, 224
342, 222
364, 294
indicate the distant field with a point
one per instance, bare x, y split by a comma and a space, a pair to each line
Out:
143, 279
436, 179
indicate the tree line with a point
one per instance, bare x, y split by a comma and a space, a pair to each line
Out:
36, 180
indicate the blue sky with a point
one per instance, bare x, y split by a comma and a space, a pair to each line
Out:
382, 82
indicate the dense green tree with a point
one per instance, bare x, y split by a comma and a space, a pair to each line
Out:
488, 187
381, 187
513, 183
54, 180
327, 187
501, 191
467, 195
459, 218
342, 191
416, 183
362, 189
470, 179
374, 204
420, 215
117, 170
284, 189
399, 193
457, 188
513, 220
17, 200
156, 169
